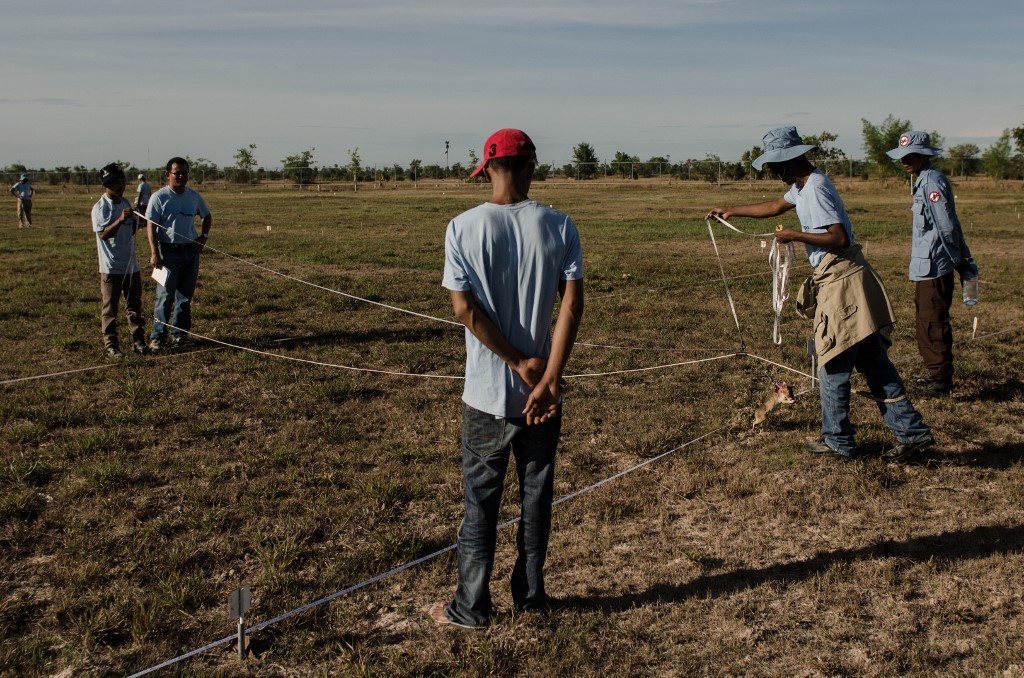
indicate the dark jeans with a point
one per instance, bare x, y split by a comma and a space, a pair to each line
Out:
182, 264
932, 299
487, 441
113, 287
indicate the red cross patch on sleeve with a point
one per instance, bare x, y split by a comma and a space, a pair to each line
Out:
935, 196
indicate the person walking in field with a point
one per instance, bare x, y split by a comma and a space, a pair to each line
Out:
174, 245
505, 262
115, 225
845, 299
143, 193
937, 249
23, 191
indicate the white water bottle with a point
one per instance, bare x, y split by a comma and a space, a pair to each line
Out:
969, 280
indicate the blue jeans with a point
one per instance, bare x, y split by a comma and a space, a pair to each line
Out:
487, 441
870, 358
182, 264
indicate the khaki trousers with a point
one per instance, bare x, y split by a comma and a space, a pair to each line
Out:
113, 287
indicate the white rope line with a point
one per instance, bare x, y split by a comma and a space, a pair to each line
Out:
118, 363
651, 369
654, 348
401, 568
319, 287
352, 296
725, 282
730, 226
95, 367
772, 362
647, 290
962, 342
429, 376
312, 362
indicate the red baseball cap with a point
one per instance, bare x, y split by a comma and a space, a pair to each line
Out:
506, 143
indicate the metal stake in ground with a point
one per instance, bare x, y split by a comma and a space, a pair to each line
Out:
238, 605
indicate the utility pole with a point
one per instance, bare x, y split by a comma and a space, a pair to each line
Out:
446, 160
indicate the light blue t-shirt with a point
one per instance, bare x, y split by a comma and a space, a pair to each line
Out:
512, 258
23, 189
117, 254
175, 214
145, 191
818, 206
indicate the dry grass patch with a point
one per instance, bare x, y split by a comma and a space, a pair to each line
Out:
135, 497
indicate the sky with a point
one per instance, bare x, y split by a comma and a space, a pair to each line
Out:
91, 82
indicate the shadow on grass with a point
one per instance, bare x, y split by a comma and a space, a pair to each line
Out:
987, 456
981, 542
1000, 393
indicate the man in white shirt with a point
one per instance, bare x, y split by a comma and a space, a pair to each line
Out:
505, 262
115, 225
23, 191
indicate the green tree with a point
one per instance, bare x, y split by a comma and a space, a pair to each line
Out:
585, 161
355, 164
245, 161
750, 156
961, 159
415, 168
623, 164
881, 138
709, 169
1018, 158
201, 169
299, 167
1018, 138
998, 158
828, 155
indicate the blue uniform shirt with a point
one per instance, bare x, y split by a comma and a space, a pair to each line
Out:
938, 244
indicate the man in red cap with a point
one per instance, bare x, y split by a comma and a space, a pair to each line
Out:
505, 261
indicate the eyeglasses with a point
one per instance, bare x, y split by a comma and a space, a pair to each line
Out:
178, 174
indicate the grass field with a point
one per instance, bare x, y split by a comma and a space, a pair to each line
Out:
136, 497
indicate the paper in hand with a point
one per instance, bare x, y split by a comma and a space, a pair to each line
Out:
160, 276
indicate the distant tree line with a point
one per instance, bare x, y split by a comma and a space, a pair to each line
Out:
1004, 159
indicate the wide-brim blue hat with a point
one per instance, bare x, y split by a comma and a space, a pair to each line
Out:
913, 142
781, 144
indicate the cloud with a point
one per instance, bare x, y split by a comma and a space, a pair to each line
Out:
43, 101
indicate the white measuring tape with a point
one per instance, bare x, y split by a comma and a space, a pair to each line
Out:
780, 259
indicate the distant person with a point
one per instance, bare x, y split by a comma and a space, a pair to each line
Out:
175, 245
505, 262
23, 191
143, 193
845, 298
115, 226
937, 249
